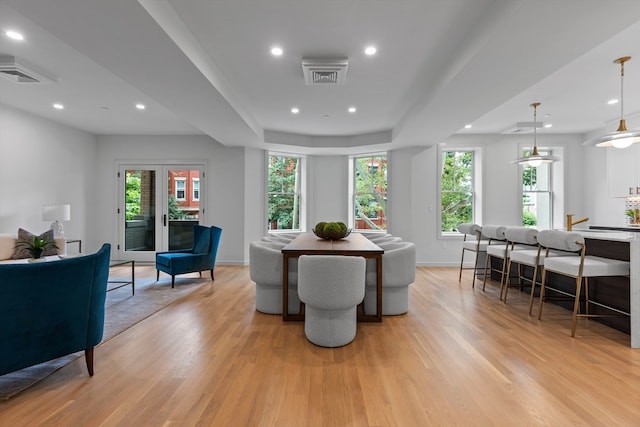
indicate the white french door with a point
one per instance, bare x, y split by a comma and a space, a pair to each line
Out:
157, 208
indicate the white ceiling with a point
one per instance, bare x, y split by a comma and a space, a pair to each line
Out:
204, 67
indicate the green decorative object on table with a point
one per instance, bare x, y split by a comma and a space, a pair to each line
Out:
36, 246
331, 230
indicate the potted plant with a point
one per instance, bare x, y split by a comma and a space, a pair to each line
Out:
36, 246
634, 216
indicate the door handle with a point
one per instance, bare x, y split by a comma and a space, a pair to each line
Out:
164, 220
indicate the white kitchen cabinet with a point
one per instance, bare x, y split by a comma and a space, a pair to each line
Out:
623, 176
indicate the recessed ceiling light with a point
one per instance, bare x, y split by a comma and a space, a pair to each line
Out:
14, 35
276, 51
141, 106
467, 126
370, 50
58, 106
326, 116
104, 108
352, 109
548, 125
295, 110
612, 101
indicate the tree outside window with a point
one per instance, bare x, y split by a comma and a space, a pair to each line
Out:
133, 184
284, 193
456, 191
536, 194
370, 195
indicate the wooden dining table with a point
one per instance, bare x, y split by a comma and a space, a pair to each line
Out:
354, 244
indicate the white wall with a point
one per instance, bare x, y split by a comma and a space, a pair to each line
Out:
413, 208
225, 183
254, 197
414, 183
42, 162
601, 209
327, 189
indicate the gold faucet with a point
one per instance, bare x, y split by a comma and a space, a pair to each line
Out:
571, 223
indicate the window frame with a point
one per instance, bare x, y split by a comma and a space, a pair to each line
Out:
353, 191
301, 191
195, 187
182, 180
550, 188
476, 187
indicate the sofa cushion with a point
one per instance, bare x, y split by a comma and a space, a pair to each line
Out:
7, 246
26, 236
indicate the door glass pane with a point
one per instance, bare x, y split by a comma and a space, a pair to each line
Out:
183, 207
140, 210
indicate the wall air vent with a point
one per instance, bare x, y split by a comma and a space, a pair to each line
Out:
18, 71
324, 71
522, 127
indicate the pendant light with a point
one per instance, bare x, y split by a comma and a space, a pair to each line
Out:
621, 138
535, 158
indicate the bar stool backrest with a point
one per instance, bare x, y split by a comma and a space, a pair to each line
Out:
494, 232
470, 229
562, 240
523, 235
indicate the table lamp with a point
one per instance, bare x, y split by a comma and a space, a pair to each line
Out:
56, 213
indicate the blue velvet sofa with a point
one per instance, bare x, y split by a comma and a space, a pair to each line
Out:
52, 308
202, 256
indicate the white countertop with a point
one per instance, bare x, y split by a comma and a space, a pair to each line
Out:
616, 236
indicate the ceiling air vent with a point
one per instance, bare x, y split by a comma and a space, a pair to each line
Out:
324, 71
522, 127
18, 71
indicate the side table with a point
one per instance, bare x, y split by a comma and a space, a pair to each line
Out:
121, 283
78, 241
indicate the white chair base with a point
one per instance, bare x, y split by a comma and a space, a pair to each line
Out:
269, 299
330, 328
395, 300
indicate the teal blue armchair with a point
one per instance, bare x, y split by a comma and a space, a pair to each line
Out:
51, 309
201, 257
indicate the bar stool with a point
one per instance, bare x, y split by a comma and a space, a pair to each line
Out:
472, 242
524, 251
532, 257
496, 248
577, 267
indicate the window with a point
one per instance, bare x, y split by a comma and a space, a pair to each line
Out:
370, 192
537, 194
284, 195
180, 188
196, 189
456, 189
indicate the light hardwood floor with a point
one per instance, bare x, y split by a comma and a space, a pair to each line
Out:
458, 358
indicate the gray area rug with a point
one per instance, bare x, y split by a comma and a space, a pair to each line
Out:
122, 311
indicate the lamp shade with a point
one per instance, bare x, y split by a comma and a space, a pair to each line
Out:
622, 137
56, 212
535, 159
618, 139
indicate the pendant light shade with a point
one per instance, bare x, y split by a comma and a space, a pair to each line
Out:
535, 158
622, 137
